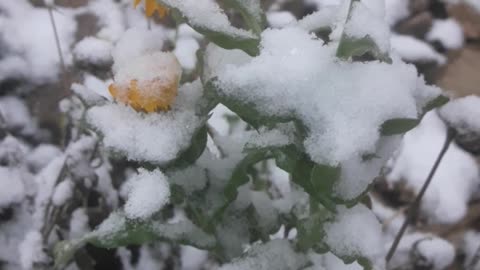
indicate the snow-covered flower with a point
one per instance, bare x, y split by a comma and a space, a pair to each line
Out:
151, 6
148, 83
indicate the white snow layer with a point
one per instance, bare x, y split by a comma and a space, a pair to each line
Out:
93, 50
415, 50
455, 180
153, 137
147, 193
463, 114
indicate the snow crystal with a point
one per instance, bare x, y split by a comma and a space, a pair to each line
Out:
448, 32
38, 62
463, 114
207, 15
455, 180
317, 91
275, 254
154, 137
93, 50
134, 43
279, 19
355, 232
63, 192
12, 188
149, 192
31, 250
415, 50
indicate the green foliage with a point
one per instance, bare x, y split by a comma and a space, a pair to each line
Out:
398, 126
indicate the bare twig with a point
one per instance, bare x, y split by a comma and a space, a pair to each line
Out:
413, 209
57, 39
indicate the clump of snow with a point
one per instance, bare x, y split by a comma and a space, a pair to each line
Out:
13, 189
12, 151
471, 248
134, 43
455, 180
153, 137
275, 254
148, 193
161, 67
322, 19
21, 24
343, 237
78, 223
39, 157
366, 19
186, 52
436, 252
318, 92
207, 15
415, 50
192, 258
31, 250
94, 51
63, 192
448, 32
110, 16
463, 114
16, 115
396, 10
92, 90
279, 19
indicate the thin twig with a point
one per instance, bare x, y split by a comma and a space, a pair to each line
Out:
413, 209
57, 39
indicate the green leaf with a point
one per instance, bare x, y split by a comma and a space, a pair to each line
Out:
190, 155
221, 36
398, 126
363, 49
435, 103
118, 231
251, 12
310, 231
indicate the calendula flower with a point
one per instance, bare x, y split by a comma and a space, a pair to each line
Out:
151, 6
149, 83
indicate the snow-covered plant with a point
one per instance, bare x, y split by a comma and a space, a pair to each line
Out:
318, 106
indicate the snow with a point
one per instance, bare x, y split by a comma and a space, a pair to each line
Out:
94, 51
39, 157
63, 192
275, 254
134, 43
366, 19
322, 19
355, 232
111, 20
463, 114
365, 103
31, 250
207, 15
78, 224
437, 252
186, 52
192, 258
415, 50
148, 193
448, 32
279, 19
12, 188
16, 115
153, 137
38, 63
455, 180
396, 10
471, 247
92, 91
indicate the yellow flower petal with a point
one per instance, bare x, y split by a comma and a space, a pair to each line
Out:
150, 7
136, 2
